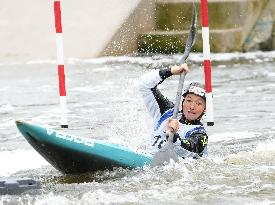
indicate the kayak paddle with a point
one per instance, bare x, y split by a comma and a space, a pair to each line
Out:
167, 152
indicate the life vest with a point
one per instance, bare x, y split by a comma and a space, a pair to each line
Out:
185, 131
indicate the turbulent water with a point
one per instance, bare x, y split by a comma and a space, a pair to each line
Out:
104, 103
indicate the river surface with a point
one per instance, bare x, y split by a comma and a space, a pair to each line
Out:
104, 103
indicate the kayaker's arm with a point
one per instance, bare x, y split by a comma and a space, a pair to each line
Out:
155, 102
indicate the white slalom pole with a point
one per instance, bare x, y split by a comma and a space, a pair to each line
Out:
60, 60
207, 64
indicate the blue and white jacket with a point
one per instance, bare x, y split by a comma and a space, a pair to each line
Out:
191, 134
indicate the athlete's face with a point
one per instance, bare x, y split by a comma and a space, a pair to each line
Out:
193, 106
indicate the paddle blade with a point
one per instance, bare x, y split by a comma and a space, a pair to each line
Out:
191, 39
193, 28
164, 155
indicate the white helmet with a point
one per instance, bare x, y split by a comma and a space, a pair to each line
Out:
195, 88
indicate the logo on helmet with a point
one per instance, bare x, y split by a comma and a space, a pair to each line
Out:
195, 88
197, 91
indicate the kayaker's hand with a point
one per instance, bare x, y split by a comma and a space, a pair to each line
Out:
172, 125
176, 70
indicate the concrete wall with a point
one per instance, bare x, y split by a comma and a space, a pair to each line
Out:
125, 40
27, 29
92, 28
235, 25
261, 35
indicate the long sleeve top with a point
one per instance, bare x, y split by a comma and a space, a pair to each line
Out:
191, 135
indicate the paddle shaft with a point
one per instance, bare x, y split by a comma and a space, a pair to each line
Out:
189, 43
167, 152
177, 104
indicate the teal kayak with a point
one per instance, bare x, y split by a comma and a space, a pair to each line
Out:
72, 154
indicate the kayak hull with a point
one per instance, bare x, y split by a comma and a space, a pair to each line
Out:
74, 155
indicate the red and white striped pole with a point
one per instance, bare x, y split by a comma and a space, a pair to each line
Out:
60, 60
207, 64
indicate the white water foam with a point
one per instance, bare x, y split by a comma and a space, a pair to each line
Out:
263, 154
159, 60
257, 56
268, 146
6, 108
7, 123
52, 199
229, 136
123, 59
88, 89
18, 160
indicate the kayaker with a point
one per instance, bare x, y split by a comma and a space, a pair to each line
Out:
189, 132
